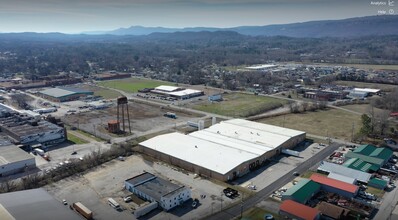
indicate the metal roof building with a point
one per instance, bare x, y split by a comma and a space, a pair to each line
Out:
304, 190
62, 94
342, 178
372, 151
223, 151
368, 159
34, 204
328, 167
360, 165
295, 210
14, 160
335, 186
155, 189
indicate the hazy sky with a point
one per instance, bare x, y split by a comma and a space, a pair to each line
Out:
72, 16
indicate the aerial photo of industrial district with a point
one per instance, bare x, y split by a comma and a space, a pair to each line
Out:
198, 110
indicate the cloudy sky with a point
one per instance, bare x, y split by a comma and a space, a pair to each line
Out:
73, 16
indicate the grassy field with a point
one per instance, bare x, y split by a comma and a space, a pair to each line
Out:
331, 122
98, 91
241, 105
88, 135
257, 214
362, 108
133, 84
75, 139
384, 87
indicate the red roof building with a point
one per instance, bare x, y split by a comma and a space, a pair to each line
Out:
299, 211
335, 186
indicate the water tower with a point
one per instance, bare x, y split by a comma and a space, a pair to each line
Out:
122, 104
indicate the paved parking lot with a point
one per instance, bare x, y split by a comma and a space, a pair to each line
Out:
93, 189
278, 168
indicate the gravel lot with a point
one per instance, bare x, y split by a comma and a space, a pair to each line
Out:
93, 189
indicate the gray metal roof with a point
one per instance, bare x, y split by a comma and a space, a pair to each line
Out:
57, 92
154, 186
12, 153
345, 171
140, 178
36, 204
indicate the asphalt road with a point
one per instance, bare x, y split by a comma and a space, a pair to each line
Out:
238, 208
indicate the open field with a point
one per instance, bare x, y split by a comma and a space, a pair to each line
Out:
133, 84
240, 105
384, 87
76, 140
331, 122
363, 108
98, 91
143, 118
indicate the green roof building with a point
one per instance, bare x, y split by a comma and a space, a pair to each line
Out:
368, 159
373, 151
377, 183
358, 164
304, 190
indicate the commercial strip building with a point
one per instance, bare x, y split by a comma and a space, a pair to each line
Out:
155, 189
224, 151
64, 94
177, 92
303, 191
295, 210
33, 204
14, 160
27, 130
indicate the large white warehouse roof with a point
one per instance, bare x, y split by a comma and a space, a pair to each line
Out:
224, 146
213, 156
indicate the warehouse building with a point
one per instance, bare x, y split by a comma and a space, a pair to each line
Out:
335, 186
303, 191
14, 160
177, 92
27, 130
224, 151
33, 204
372, 151
368, 158
378, 183
295, 210
64, 94
155, 189
328, 168
360, 165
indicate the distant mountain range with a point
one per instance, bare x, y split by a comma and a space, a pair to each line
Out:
351, 27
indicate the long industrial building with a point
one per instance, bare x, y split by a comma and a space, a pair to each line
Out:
224, 151
14, 160
27, 130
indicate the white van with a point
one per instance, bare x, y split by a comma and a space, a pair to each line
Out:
113, 203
